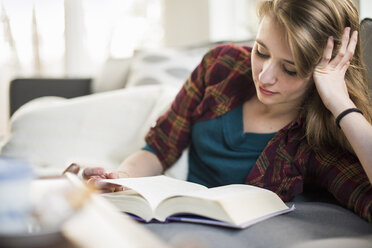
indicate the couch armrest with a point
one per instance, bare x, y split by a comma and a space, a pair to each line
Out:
22, 90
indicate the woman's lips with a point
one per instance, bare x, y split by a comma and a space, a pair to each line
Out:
267, 92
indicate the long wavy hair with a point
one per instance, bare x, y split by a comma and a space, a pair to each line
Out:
308, 24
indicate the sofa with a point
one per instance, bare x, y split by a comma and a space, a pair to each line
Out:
108, 122
95, 121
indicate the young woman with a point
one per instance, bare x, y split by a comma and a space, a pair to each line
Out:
294, 109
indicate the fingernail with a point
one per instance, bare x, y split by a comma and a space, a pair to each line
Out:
119, 189
99, 171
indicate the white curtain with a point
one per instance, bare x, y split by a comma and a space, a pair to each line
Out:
44, 32
70, 38
98, 30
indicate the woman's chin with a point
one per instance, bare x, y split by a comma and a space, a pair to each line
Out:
266, 100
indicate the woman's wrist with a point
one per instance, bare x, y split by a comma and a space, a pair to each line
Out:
338, 109
346, 112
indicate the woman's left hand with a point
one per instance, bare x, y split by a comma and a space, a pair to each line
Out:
329, 75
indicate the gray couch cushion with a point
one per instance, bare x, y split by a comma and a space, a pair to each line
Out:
312, 224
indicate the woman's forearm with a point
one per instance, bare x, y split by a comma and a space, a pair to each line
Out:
140, 164
358, 131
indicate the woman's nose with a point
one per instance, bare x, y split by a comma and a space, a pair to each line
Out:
268, 74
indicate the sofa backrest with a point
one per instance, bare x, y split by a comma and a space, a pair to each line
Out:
366, 39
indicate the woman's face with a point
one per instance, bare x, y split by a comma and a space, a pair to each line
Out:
273, 68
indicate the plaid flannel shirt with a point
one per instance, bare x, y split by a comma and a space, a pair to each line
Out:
222, 81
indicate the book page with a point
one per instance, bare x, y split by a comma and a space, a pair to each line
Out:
243, 202
157, 188
131, 202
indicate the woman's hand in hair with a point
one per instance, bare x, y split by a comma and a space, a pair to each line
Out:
329, 74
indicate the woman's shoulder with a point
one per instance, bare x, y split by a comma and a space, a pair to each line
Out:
232, 50
224, 59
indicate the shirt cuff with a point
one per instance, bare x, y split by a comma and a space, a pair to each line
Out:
148, 148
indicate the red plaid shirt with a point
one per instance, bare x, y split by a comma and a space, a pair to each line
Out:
222, 81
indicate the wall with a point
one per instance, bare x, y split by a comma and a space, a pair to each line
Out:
5, 77
232, 19
185, 22
365, 8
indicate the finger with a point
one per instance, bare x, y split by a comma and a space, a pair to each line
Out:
115, 175
105, 191
93, 181
344, 44
350, 50
327, 54
112, 175
72, 168
345, 67
109, 188
93, 171
118, 188
104, 186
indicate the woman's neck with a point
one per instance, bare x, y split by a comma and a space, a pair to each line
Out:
281, 111
261, 118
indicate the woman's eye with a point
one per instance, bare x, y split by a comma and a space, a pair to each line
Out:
261, 54
289, 72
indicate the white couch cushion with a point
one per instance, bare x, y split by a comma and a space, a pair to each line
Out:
95, 130
169, 67
112, 76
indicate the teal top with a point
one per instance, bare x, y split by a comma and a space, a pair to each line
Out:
220, 152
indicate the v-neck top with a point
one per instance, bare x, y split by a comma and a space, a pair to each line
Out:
221, 152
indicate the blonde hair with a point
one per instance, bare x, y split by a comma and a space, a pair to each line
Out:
308, 24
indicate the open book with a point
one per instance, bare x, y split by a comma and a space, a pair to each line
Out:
165, 199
